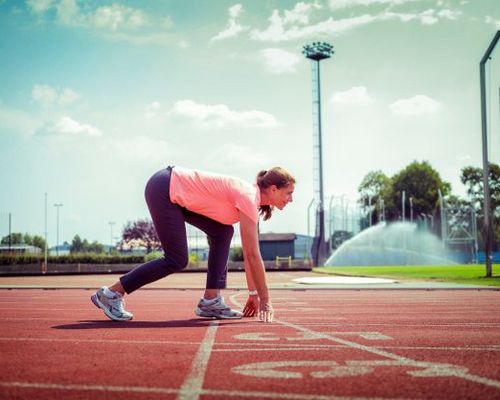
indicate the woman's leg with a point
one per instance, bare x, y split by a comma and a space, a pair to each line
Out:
168, 219
219, 241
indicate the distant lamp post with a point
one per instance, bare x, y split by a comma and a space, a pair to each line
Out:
57, 206
111, 223
316, 52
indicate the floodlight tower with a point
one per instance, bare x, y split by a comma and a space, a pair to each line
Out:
316, 52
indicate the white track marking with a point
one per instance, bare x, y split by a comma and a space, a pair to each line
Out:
233, 347
429, 368
160, 390
270, 336
193, 384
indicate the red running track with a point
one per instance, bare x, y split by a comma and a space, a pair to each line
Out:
326, 344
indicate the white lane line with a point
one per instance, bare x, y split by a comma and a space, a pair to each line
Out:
160, 390
193, 384
108, 342
250, 346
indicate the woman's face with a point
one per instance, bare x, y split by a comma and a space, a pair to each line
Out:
281, 197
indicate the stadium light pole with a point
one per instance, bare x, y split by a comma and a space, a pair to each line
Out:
488, 223
316, 52
57, 206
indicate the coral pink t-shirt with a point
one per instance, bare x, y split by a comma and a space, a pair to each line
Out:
219, 197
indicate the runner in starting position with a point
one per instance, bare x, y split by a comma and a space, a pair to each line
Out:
212, 203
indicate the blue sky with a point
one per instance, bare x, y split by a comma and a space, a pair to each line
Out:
96, 96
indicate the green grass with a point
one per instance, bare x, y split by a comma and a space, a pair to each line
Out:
472, 274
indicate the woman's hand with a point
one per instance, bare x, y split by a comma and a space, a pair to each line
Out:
251, 307
266, 311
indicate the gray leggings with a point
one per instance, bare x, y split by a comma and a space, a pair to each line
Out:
169, 220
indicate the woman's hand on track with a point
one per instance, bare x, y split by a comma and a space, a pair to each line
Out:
251, 307
266, 311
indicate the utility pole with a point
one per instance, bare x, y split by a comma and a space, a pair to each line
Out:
488, 223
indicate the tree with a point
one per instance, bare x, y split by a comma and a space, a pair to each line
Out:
421, 183
13, 238
95, 247
83, 246
472, 178
76, 245
26, 239
372, 188
38, 241
144, 231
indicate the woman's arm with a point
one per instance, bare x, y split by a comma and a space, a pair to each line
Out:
254, 266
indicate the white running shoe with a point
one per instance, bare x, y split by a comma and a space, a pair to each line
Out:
216, 309
113, 308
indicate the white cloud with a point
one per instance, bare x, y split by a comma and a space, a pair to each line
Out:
353, 96
493, 21
278, 61
68, 96
235, 11
48, 96
44, 94
417, 105
338, 4
278, 30
427, 17
233, 28
219, 116
39, 6
152, 110
300, 13
117, 17
67, 127
68, 13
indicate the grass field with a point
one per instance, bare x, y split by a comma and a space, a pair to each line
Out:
472, 274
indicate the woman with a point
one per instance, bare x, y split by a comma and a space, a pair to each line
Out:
212, 203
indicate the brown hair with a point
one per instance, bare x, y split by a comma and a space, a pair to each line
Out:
275, 176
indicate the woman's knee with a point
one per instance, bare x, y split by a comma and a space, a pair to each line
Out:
178, 263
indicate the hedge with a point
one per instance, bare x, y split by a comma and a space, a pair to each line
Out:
84, 258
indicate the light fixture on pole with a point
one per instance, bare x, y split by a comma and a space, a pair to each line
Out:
57, 206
